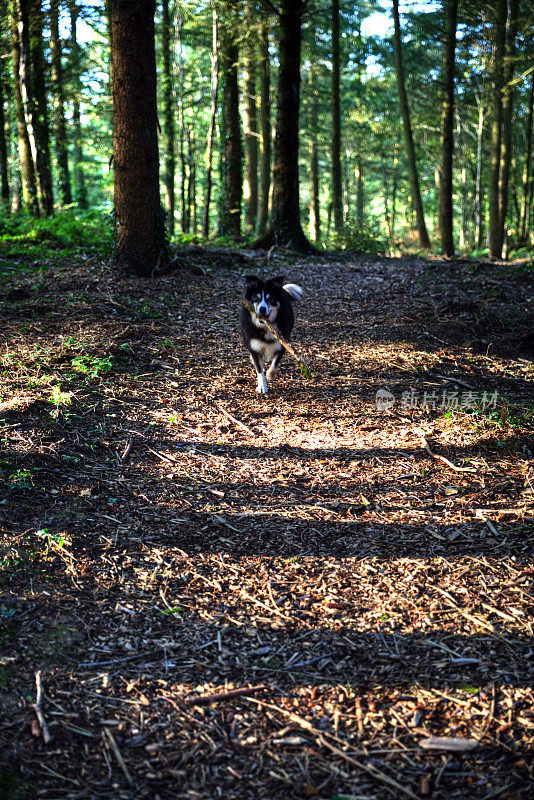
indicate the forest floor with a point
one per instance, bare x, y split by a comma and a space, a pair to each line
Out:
359, 595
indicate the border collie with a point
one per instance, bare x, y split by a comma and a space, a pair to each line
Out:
271, 300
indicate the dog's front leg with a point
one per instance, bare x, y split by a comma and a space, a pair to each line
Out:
260, 372
274, 364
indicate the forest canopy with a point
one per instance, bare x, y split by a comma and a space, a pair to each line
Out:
406, 126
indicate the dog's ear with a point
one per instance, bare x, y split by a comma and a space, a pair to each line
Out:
278, 281
251, 280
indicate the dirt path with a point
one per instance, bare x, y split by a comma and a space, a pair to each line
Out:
154, 552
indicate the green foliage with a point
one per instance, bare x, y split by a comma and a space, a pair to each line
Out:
92, 366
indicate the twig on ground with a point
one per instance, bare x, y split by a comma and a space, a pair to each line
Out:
236, 421
205, 699
126, 452
304, 369
38, 710
446, 461
118, 755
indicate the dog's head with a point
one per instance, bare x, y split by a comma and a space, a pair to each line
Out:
265, 296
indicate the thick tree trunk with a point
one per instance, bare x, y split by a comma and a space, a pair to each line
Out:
450, 11
232, 170
408, 135
507, 109
496, 232
32, 89
286, 226
139, 230
265, 128
27, 171
337, 190
168, 113
526, 177
213, 119
315, 216
250, 120
80, 190
60, 128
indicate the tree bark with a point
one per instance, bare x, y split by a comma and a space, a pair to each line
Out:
337, 189
250, 120
181, 125
231, 165
507, 109
4, 178
496, 233
80, 190
139, 230
27, 170
479, 232
526, 177
60, 128
315, 214
168, 114
408, 135
213, 118
32, 90
265, 127
450, 11
286, 227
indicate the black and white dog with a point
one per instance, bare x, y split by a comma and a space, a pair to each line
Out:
271, 300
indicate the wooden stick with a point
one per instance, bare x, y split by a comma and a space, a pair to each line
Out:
205, 699
304, 369
126, 452
446, 461
236, 421
38, 710
118, 755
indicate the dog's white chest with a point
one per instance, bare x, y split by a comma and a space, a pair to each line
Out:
266, 350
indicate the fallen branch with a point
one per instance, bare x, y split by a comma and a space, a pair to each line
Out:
304, 369
126, 452
38, 710
118, 755
446, 461
236, 421
205, 699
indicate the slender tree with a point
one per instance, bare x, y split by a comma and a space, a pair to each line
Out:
168, 113
250, 118
315, 212
507, 110
450, 12
4, 178
139, 234
60, 127
337, 190
232, 155
265, 126
408, 135
286, 227
527, 166
213, 116
80, 189
31, 77
499, 39
27, 170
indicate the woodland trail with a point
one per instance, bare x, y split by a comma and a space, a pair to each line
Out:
369, 595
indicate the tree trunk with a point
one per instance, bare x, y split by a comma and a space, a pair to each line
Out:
213, 119
4, 179
496, 233
168, 113
191, 181
450, 11
265, 128
408, 135
479, 232
232, 171
507, 109
286, 227
359, 192
250, 120
29, 188
80, 191
60, 128
139, 230
526, 178
31, 85
337, 189
315, 217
